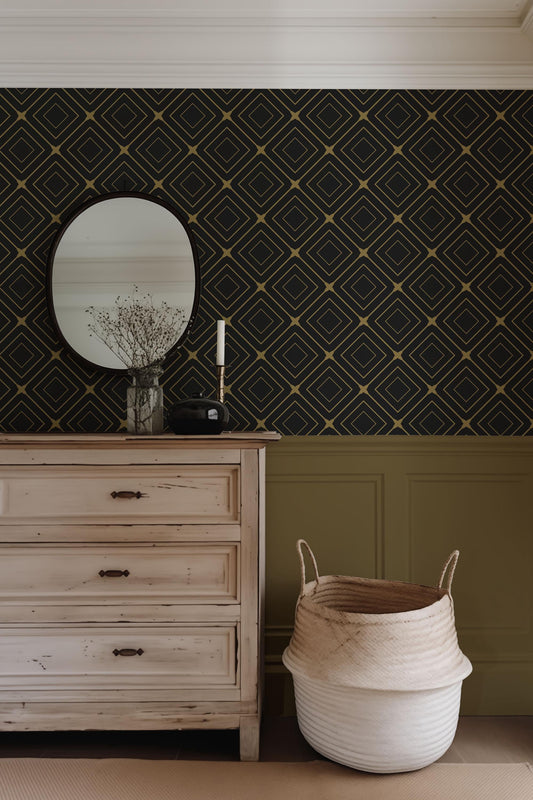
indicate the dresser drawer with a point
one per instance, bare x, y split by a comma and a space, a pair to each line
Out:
119, 574
130, 495
129, 657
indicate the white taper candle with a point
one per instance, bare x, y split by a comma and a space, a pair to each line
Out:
221, 333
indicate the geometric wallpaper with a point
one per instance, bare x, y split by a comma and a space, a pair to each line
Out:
371, 252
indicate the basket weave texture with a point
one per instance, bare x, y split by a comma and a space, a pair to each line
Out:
377, 731
376, 634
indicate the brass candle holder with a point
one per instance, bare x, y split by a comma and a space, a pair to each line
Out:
220, 383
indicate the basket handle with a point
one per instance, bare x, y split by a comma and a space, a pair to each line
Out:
299, 544
449, 568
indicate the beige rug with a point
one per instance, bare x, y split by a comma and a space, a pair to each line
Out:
130, 779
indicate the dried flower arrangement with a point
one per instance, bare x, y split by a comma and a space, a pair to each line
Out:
140, 333
136, 330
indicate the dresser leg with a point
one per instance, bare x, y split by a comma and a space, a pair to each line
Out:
249, 738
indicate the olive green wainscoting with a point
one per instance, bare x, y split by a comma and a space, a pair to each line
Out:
395, 507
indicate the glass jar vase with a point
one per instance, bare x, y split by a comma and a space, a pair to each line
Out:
145, 401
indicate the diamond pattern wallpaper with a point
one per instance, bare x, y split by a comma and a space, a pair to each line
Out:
371, 252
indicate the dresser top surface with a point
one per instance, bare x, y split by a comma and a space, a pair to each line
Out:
238, 439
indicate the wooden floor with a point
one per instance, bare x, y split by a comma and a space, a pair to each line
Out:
478, 740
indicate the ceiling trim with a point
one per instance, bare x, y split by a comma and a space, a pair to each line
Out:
224, 75
28, 18
527, 20
135, 48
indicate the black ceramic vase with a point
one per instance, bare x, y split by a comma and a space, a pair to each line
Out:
198, 415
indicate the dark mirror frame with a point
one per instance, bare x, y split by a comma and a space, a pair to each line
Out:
50, 268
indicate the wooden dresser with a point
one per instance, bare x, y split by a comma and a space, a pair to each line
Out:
131, 580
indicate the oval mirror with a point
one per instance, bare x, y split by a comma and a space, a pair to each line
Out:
116, 247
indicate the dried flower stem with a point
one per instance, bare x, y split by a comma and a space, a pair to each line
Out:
136, 330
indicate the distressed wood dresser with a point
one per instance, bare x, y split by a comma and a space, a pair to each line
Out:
131, 582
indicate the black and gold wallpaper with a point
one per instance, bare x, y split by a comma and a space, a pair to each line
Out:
371, 251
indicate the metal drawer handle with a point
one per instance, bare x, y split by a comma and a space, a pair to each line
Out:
128, 651
114, 573
126, 495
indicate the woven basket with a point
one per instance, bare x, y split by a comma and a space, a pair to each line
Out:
376, 634
377, 731
377, 668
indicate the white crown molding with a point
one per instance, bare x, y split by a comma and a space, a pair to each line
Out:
280, 9
527, 19
223, 75
329, 16
186, 47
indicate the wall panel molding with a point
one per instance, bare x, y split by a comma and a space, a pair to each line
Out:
438, 493
521, 446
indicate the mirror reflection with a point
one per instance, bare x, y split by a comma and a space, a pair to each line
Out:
117, 246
